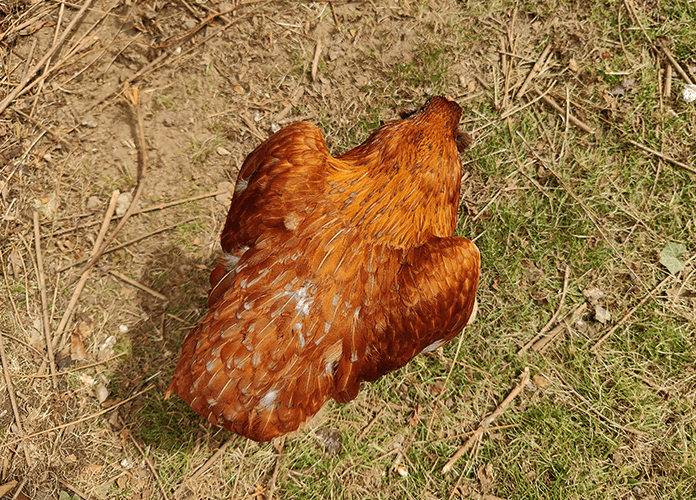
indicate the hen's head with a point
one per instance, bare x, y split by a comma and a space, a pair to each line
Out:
440, 112
443, 114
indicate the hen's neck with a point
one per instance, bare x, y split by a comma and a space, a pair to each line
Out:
400, 186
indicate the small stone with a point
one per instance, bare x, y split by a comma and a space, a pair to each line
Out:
168, 122
689, 93
123, 328
593, 294
226, 195
93, 203
89, 121
222, 151
123, 202
581, 325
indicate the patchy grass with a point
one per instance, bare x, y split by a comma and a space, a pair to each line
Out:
614, 420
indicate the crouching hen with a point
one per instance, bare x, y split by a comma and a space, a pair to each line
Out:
336, 270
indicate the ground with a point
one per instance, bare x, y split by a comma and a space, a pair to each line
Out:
579, 191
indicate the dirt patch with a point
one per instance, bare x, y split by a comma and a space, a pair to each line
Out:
210, 88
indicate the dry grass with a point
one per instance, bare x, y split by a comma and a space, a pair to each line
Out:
581, 162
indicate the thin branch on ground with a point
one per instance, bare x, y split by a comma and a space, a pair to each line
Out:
139, 285
534, 71
41, 281
129, 243
37, 67
161, 206
72, 370
83, 278
83, 419
561, 305
575, 121
569, 319
142, 175
147, 461
486, 422
652, 292
444, 386
370, 424
668, 159
11, 392
207, 465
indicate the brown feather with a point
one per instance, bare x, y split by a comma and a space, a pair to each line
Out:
336, 270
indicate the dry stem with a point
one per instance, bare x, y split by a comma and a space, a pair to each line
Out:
561, 304
41, 279
486, 422
83, 419
668, 159
652, 292
142, 160
543, 341
35, 69
83, 279
139, 285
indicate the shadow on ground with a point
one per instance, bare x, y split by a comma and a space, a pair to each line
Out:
154, 350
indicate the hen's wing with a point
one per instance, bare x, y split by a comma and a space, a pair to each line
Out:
287, 313
434, 296
276, 188
268, 354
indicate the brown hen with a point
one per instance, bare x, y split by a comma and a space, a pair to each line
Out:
336, 270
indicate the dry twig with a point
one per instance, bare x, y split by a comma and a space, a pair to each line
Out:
128, 243
561, 304
444, 386
549, 101
153, 208
370, 424
147, 461
11, 392
315, 60
543, 341
668, 159
207, 465
35, 69
652, 292
72, 370
486, 422
83, 419
83, 278
142, 160
535, 70
41, 280
139, 285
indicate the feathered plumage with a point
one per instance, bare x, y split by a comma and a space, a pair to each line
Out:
336, 270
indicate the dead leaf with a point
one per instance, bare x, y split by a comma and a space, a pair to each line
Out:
81, 332
123, 481
593, 294
16, 263
669, 256
485, 477
415, 416
601, 314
